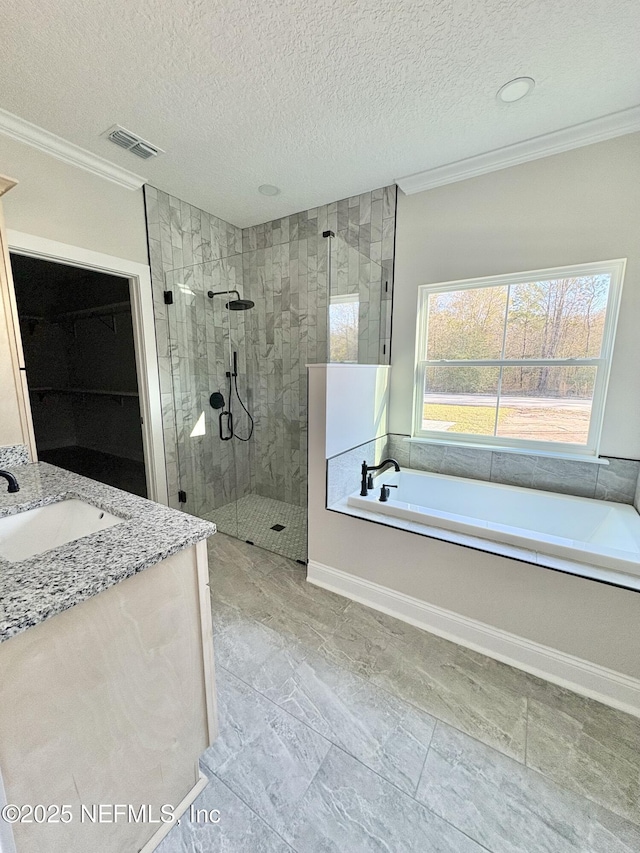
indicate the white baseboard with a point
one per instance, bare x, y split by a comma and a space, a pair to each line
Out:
183, 805
597, 682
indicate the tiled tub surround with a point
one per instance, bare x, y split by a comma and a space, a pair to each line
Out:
343, 471
616, 481
610, 556
34, 589
342, 729
282, 266
13, 454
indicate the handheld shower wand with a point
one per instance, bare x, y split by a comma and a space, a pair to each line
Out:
233, 376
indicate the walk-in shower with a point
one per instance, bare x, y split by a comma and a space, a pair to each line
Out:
243, 325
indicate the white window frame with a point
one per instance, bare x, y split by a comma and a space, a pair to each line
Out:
614, 268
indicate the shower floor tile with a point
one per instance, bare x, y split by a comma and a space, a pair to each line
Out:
253, 518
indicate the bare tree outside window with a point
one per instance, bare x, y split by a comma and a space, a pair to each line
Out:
343, 330
518, 360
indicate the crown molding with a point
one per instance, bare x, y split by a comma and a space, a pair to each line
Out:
24, 131
577, 136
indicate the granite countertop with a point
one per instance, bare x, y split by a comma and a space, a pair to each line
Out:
34, 589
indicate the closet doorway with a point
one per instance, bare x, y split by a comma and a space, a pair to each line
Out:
80, 360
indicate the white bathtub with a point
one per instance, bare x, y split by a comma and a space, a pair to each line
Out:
592, 532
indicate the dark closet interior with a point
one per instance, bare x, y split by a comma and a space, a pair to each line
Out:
77, 335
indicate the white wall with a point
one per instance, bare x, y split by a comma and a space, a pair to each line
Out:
576, 207
588, 620
61, 202
12, 427
357, 404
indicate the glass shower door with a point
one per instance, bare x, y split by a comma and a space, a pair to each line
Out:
200, 332
359, 306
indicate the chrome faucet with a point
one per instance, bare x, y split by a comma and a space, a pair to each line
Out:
367, 478
11, 480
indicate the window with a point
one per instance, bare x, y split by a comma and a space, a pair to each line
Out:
519, 361
344, 318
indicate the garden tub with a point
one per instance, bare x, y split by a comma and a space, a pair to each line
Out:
592, 532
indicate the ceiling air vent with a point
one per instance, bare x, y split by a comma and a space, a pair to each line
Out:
131, 142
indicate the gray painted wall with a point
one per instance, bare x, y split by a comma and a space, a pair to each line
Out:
576, 207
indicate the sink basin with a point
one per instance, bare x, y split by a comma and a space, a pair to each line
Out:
35, 531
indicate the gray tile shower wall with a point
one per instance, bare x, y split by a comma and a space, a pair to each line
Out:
285, 273
180, 238
343, 471
282, 266
203, 336
616, 481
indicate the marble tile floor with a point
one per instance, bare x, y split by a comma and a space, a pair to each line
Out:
253, 517
343, 730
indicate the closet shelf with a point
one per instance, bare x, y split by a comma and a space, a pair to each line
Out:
93, 391
98, 311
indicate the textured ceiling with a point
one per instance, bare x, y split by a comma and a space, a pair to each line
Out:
324, 99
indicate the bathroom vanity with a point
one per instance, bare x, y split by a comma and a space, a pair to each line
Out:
106, 663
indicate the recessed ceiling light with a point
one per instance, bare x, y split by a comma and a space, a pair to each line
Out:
268, 189
516, 89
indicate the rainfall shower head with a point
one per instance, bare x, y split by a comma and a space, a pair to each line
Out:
240, 305
234, 304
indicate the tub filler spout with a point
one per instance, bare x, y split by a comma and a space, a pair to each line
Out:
367, 478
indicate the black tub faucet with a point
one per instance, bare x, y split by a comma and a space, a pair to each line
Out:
367, 478
13, 483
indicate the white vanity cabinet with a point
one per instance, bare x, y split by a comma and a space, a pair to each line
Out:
111, 702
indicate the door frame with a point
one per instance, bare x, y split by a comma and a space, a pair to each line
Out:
144, 336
